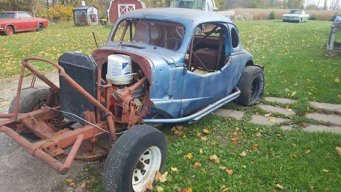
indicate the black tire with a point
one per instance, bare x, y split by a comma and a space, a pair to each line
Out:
126, 155
251, 85
30, 99
40, 27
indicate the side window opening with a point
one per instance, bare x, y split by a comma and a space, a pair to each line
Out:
207, 49
234, 37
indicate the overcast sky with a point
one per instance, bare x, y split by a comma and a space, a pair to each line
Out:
319, 2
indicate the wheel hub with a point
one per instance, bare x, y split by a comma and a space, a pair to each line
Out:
146, 167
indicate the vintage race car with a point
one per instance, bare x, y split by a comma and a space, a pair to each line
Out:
158, 66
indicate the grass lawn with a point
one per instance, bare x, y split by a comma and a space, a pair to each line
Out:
293, 54
216, 154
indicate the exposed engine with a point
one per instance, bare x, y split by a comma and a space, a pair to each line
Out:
116, 80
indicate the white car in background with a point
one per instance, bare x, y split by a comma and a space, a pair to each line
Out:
295, 15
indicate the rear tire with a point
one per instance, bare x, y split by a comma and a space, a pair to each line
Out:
134, 159
251, 85
40, 27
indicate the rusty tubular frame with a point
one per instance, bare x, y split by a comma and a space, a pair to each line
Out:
72, 83
62, 168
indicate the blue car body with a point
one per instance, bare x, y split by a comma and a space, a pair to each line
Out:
183, 95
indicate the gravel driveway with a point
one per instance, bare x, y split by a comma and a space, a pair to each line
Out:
20, 171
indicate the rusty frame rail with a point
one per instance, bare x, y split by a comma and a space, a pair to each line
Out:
54, 142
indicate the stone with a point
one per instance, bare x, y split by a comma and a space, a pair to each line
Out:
274, 109
329, 118
326, 106
323, 128
279, 100
229, 113
261, 120
286, 127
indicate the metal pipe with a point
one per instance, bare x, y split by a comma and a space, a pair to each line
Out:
62, 168
17, 99
7, 116
200, 114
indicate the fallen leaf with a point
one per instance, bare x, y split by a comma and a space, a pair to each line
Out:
325, 170
243, 154
203, 139
337, 80
178, 130
159, 189
161, 177
293, 94
70, 182
188, 156
255, 146
206, 131
338, 150
222, 168
149, 186
229, 172
197, 165
174, 169
201, 151
279, 186
307, 151
258, 134
215, 159
224, 188
267, 115
83, 185
186, 190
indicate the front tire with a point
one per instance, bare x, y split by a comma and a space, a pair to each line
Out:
9, 30
134, 159
30, 99
251, 85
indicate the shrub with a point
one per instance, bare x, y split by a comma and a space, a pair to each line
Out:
312, 17
60, 12
272, 15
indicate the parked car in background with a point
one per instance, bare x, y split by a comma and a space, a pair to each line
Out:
295, 15
17, 21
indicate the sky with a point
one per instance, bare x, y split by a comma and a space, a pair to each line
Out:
320, 3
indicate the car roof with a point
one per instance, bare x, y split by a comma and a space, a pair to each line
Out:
180, 15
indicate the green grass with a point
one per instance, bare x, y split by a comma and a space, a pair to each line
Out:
50, 44
294, 57
293, 54
297, 160
294, 159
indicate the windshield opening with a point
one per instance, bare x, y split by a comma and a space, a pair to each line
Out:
295, 11
7, 15
163, 34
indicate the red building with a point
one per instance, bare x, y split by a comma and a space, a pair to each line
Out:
119, 7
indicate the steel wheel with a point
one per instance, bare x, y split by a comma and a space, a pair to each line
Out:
135, 158
9, 30
146, 167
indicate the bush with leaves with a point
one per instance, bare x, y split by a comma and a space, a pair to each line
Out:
272, 15
60, 12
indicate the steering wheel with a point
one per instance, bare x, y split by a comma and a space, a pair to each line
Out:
176, 41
